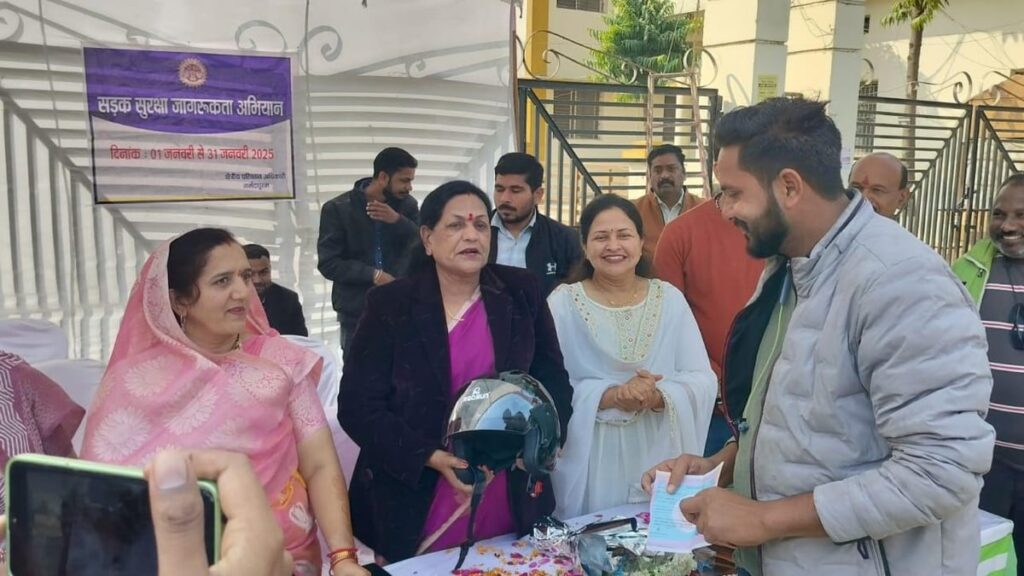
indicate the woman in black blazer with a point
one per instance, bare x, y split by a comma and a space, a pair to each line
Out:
397, 388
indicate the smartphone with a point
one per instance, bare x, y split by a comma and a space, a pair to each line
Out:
68, 517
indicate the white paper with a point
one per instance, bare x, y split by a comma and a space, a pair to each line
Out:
669, 531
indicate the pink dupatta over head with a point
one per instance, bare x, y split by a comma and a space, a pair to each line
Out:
160, 391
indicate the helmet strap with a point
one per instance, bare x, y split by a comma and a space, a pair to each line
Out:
479, 483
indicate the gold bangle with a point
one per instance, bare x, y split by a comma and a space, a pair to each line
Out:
343, 555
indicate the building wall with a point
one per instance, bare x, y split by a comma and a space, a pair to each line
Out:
975, 37
575, 24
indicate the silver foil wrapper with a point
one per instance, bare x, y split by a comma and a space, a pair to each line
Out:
554, 538
630, 542
620, 539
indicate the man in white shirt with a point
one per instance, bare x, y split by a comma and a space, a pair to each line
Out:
666, 197
520, 235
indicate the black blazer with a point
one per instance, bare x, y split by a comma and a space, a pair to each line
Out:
396, 396
284, 311
345, 246
553, 251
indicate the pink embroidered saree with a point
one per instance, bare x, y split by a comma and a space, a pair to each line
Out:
160, 391
36, 415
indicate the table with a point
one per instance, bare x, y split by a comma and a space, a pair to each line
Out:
506, 552
998, 557
518, 557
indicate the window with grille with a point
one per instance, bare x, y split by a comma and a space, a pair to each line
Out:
865, 140
575, 112
585, 5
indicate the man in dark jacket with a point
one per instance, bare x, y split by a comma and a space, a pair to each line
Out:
520, 235
284, 311
367, 234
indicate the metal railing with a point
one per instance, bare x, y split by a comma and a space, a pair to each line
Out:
593, 137
956, 156
68, 262
997, 150
567, 182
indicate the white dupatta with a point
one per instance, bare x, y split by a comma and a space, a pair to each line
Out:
670, 344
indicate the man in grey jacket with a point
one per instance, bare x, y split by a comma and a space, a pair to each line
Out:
863, 442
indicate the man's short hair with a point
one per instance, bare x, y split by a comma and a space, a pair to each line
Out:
255, 252
1012, 181
391, 160
662, 149
521, 163
781, 133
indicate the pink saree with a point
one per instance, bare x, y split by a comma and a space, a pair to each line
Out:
36, 415
472, 356
160, 391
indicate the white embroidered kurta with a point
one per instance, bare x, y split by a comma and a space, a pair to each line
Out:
607, 451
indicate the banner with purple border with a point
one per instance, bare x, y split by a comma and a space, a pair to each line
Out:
177, 126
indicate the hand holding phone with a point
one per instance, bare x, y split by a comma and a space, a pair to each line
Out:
252, 543
68, 516
77, 517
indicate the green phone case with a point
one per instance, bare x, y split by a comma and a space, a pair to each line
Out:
43, 460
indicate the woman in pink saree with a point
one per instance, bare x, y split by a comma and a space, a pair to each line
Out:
36, 415
196, 365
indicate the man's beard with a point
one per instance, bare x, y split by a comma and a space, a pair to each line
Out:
515, 218
1014, 253
390, 194
766, 234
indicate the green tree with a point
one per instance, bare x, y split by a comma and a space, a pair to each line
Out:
647, 33
918, 13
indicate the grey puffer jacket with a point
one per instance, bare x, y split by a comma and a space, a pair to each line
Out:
876, 405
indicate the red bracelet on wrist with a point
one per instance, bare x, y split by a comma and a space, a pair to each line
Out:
339, 555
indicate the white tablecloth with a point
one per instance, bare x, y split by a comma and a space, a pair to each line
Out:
519, 557
514, 556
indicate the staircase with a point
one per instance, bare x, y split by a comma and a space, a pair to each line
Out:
591, 137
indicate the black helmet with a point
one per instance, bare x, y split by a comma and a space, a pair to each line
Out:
496, 420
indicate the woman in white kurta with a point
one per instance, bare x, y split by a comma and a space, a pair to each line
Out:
643, 389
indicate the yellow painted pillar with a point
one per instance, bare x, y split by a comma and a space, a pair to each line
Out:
538, 14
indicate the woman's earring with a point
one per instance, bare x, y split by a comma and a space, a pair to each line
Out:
184, 320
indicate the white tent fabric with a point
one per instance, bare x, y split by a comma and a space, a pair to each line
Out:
34, 340
79, 378
431, 76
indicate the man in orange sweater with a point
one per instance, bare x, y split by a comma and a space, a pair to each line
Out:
666, 196
705, 257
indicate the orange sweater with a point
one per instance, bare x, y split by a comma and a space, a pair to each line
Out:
705, 257
654, 222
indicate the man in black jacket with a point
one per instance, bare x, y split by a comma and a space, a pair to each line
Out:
367, 235
520, 235
284, 311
